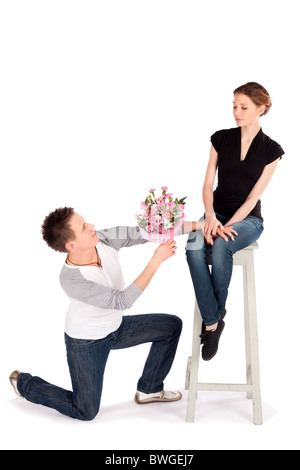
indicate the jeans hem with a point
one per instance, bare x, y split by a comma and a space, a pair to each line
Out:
211, 322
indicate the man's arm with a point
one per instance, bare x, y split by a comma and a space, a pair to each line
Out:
192, 226
121, 236
77, 287
163, 252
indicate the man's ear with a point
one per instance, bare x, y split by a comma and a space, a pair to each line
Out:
70, 246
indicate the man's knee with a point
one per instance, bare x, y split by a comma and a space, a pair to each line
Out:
88, 416
177, 324
89, 413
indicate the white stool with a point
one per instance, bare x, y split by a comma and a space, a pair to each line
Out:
244, 258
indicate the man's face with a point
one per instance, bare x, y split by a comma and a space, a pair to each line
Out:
85, 235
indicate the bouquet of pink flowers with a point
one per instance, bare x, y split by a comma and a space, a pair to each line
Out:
160, 218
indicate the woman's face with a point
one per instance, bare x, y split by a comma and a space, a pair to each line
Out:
246, 112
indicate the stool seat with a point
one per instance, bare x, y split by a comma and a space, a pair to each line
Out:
243, 258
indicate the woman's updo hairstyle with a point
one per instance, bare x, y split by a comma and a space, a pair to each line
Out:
257, 93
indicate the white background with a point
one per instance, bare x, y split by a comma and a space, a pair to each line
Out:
101, 100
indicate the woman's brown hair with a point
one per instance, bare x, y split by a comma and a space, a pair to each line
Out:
257, 93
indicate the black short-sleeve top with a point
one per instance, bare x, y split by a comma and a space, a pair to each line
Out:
236, 177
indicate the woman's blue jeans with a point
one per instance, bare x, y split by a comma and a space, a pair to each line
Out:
211, 287
87, 361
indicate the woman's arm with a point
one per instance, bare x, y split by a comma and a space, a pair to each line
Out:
255, 194
212, 225
208, 185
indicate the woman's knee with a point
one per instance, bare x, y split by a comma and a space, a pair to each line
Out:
222, 250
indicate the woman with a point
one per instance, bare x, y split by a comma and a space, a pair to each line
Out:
246, 160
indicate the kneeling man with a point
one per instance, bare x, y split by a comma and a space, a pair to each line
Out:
92, 279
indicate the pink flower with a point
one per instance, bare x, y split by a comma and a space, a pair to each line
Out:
161, 201
159, 215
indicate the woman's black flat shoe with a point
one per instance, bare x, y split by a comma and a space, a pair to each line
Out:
210, 340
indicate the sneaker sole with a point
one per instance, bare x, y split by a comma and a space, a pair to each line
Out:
156, 400
14, 381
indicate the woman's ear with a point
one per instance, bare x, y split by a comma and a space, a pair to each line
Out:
262, 110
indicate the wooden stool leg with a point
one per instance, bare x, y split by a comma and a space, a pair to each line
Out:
247, 333
252, 354
193, 366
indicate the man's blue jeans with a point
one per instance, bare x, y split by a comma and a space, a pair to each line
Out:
87, 361
211, 287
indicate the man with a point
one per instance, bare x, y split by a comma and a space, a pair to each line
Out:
92, 279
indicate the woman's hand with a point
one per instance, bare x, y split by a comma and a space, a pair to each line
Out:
210, 228
222, 232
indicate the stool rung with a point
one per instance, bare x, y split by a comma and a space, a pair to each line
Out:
211, 387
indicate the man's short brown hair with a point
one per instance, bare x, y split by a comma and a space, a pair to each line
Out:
56, 230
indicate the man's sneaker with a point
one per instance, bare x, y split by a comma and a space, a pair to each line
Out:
211, 340
14, 380
163, 396
204, 326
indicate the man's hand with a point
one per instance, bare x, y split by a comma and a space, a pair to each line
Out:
161, 254
165, 251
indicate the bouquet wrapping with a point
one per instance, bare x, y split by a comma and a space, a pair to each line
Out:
161, 218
